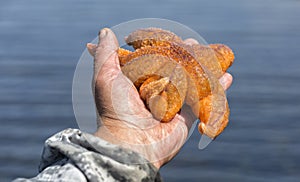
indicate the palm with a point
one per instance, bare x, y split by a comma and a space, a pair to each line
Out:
126, 119
123, 117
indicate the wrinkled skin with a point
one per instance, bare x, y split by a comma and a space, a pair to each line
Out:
131, 125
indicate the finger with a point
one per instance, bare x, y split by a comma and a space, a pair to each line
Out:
91, 48
185, 120
226, 80
106, 55
190, 41
173, 136
106, 62
107, 44
188, 115
115, 95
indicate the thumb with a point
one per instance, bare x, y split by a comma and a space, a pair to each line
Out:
104, 53
110, 85
106, 62
106, 58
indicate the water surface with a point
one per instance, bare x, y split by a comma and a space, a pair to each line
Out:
41, 42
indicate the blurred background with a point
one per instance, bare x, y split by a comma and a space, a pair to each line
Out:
41, 42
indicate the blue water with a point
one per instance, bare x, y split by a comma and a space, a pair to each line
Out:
41, 42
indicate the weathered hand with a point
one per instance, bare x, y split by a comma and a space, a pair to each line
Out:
123, 118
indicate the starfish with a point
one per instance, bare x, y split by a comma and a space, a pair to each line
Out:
168, 73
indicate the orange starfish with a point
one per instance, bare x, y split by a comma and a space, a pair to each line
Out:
169, 73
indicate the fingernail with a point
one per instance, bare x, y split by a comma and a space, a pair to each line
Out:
89, 45
103, 33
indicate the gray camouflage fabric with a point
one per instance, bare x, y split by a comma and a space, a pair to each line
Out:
72, 155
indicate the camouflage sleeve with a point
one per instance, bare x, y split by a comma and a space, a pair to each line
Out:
72, 155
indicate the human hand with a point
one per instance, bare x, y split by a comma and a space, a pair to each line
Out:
123, 118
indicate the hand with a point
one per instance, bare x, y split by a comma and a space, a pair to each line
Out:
123, 118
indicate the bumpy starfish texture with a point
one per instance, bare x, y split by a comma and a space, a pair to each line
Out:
168, 73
